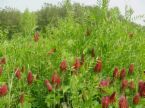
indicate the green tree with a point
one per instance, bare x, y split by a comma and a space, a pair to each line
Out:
49, 14
28, 22
9, 21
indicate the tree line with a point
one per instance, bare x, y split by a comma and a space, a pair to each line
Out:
14, 23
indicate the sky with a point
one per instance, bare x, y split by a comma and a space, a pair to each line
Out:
33, 5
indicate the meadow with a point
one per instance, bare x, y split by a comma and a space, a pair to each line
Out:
95, 60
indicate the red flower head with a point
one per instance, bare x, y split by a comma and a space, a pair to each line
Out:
63, 65
112, 97
30, 78
116, 72
3, 90
21, 99
136, 99
142, 88
105, 102
77, 64
56, 79
123, 103
104, 83
131, 85
3, 61
18, 73
98, 66
36, 37
93, 52
48, 85
131, 68
140, 85
123, 73
1, 70
124, 84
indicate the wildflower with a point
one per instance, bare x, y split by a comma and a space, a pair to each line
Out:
63, 65
77, 64
21, 99
30, 78
105, 102
131, 68
141, 88
116, 72
1, 70
131, 85
48, 85
18, 73
56, 79
123, 73
140, 85
123, 103
36, 37
3, 60
136, 99
98, 66
104, 83
3, 90
112, 97
124, 84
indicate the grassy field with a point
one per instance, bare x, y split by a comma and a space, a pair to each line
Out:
72, 65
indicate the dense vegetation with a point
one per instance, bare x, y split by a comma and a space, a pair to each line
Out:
71, 56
